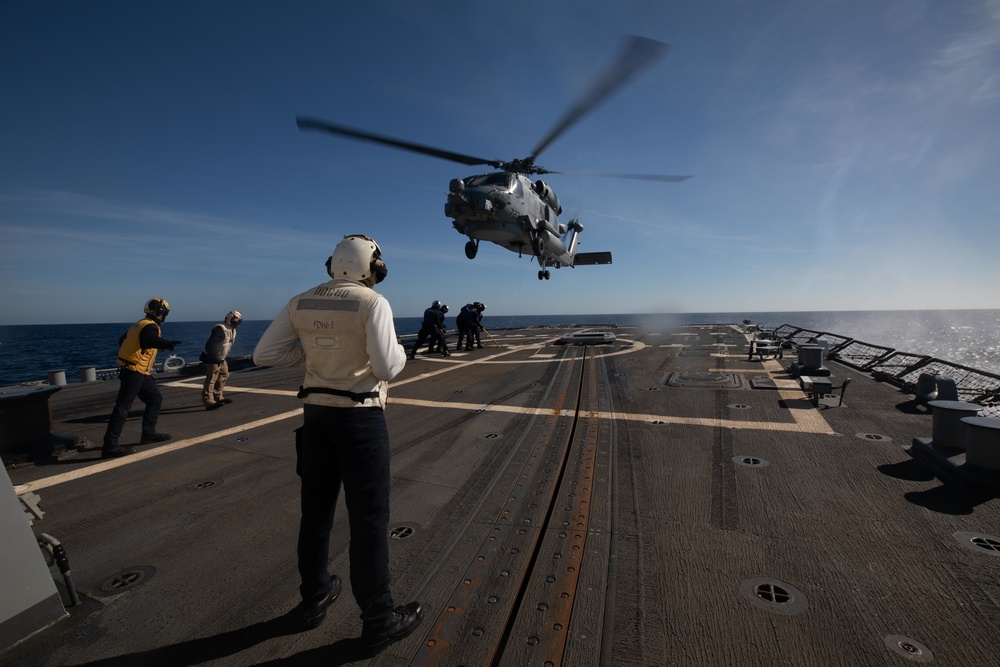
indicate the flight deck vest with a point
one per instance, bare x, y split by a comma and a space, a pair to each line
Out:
133, 357
228, 338
331, 321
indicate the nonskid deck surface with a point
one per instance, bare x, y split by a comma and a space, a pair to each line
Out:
660, 500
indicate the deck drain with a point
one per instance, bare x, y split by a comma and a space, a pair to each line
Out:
490, 436
985, 544
242, 438
127, 579
402, 531
775, 595
751, 461
877, 437
738, 406
909, 648
657, 421
205, 484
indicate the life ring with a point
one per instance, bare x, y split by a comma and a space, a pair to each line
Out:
173, 363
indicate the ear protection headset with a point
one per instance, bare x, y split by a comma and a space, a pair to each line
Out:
157, 308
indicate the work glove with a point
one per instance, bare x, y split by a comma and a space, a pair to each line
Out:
173, 344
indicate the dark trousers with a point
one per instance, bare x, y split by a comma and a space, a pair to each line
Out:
437, 338
468, 330
464, 332
421, 338
133, 385
349, 447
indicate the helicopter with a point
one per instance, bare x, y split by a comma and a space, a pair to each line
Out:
507, 207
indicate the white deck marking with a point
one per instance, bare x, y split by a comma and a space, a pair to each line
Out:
197, 384
799, 425
111, 464
807, 421
634, 346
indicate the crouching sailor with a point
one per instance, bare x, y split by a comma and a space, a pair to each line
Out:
343, 332
136, 356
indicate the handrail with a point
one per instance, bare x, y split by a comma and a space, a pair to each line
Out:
902, 368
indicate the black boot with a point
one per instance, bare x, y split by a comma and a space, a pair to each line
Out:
403, 621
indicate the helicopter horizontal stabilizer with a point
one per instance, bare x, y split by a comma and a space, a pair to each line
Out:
591, 258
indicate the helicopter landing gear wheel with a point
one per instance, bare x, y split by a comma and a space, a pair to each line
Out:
471, 248
544, 275
547, 274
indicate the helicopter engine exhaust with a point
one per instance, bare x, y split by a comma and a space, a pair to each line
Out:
560, 249
547, 195
550, 244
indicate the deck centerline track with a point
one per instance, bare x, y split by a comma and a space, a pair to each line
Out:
509, 545
534, 632
541, 632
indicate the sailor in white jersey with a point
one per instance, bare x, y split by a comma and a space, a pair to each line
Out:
343, 332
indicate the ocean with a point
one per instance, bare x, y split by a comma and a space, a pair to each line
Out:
968, 337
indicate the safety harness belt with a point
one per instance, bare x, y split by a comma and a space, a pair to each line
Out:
358, 398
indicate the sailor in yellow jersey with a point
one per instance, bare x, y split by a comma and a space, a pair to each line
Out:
136, 356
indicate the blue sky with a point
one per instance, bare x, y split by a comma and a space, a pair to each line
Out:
846, 155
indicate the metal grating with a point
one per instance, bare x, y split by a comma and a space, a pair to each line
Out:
860, 355
704, 380
974, 386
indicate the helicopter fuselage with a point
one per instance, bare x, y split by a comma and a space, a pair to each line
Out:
515, 212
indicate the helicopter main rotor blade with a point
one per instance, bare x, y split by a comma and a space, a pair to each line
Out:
344, 131
662, 178
637, 54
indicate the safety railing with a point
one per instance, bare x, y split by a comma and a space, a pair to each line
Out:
902, 368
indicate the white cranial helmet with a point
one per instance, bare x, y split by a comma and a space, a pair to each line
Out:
233, 318
359, 258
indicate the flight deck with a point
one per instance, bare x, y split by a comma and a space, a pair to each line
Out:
655, 497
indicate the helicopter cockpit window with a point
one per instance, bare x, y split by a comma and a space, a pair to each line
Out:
500, 180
